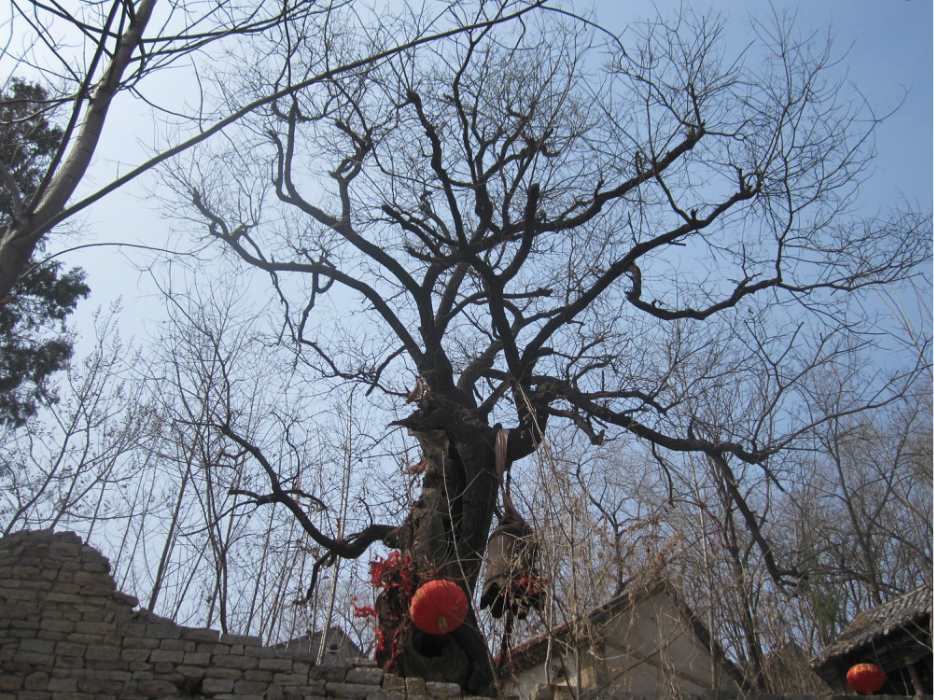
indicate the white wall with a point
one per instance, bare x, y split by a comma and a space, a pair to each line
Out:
649, 647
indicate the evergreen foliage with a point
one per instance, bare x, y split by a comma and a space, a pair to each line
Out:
34, 343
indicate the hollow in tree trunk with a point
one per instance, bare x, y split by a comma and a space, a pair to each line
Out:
444, 536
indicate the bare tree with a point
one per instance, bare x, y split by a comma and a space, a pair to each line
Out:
848, 509
119, 46
864, 520
203, 555
661, 246
69, 466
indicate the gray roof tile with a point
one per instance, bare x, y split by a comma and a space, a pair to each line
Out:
878, 622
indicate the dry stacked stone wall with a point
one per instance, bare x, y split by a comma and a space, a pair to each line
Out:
67, 633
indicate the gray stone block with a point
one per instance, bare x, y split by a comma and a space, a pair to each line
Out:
386, 695
244, 663
155, 688
63, 550
58, 625
260, 652
212, 649
332, 674
240, 639
275, 664
163, 631
95, 628
443, 690
314, 687
352, 691
415, 686
35, 658
196, 658
232, 674
125, 599
63, 685
133, 631
157, 656
250, 687
140, 643
193, 673
135, 654
363, 662
86, 639
8, 681
102, 653
99, 687
37, 645
392, 682
31, 625
258, 675
36, 681
198, 634
368, 676
291, 678
215, 686
177, 645
34, 695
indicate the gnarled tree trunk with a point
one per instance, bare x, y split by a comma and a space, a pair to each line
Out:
445, 536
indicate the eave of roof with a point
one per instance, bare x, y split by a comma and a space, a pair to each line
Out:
870, 625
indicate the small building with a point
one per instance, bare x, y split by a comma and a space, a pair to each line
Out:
644, 641
339, 649
895, 636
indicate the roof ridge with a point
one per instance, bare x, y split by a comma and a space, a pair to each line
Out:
872, 623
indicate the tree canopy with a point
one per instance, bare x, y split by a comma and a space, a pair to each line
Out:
648, 236
619, 290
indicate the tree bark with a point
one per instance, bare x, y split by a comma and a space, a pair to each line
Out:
445, 536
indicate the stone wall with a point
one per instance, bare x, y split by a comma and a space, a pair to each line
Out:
66, 633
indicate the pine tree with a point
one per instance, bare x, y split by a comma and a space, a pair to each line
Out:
34, 341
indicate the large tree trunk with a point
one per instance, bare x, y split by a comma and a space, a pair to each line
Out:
445, 535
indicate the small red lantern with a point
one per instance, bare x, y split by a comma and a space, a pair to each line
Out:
439, 607
865, 678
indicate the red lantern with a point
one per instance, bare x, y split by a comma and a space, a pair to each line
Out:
439, 607
865, 678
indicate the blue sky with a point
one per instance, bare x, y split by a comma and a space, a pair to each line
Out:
884, 48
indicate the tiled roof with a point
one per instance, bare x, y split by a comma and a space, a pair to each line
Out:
869, 625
